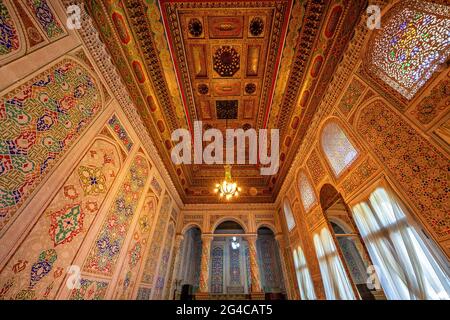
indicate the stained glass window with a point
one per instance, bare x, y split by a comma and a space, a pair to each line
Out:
235, 266
306, 192
338, 149
217, 270
288, 215
413, 42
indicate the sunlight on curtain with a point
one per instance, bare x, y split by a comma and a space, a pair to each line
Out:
299, 276
304, 277
335, 280
407, 269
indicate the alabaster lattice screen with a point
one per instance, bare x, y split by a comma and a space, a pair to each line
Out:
338, 149
306, 192
288, 215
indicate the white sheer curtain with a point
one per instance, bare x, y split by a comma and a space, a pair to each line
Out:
407, 269
335, 280
299, 276
307, 284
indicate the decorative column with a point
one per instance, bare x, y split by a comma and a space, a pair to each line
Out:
203, 293
287, 284
177, 249
255, 292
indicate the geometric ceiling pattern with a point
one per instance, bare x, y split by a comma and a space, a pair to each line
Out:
230, 64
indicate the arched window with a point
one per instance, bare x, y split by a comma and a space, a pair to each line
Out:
306, 191
413, 42
288, 215
407, 268
338, 149
304, 280
336, 283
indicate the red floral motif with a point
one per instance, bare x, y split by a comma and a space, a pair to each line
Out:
5, 164
58, 272
67, 103
25, 140
91, 206
20, 266
70, 192
4, 290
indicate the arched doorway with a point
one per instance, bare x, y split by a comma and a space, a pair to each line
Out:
347, 238
189, 273
269, 263
229, 268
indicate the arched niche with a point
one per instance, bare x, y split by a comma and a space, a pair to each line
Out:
269, 263
229, 218
189, 272
229, 260
189, 226
267, 225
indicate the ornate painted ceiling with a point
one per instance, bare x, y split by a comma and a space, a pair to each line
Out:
230, 64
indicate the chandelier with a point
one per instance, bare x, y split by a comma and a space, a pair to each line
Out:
228, 188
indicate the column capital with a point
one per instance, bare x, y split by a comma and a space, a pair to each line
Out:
279, 237
179, 236
251, 237
178, 239
207, 237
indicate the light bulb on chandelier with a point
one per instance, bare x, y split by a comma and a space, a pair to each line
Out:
228, 187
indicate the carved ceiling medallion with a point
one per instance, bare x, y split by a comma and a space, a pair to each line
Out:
256, 26
250, 88
203, 88
195, 27
226, 61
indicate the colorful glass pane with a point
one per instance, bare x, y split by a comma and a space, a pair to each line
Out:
413, 42
217, 270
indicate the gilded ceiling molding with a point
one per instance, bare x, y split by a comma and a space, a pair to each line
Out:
322, 42
91, 39
216, 207
138, 12
297, 15
343, 72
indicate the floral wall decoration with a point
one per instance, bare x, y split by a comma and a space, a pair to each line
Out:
46, 17
434, 104
9, 36
40, 120
37, 268
136, 250
164, 263
117, 127
90, 290
105, 250
156, 243
315, 167
351, 96
419, 168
